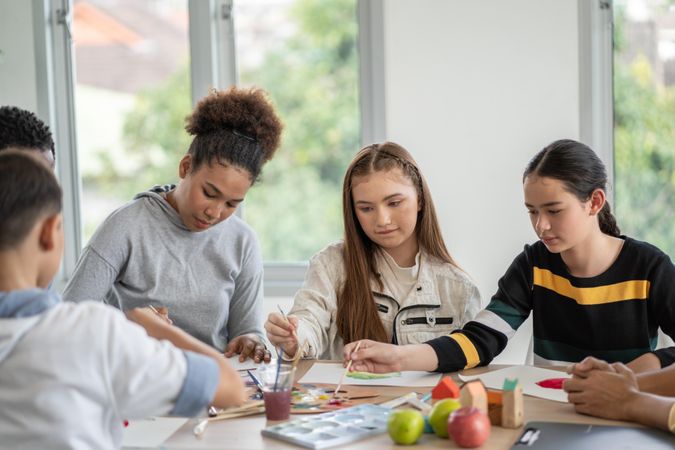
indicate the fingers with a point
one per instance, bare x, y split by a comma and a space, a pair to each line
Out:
247, 349
347, 351
622, 369
371, 351
575, 398
267, 356
582, 369
258, 353
572, 385
163, 311
281, 332
232, 347
278, 321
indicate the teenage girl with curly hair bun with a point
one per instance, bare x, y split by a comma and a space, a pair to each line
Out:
178, 249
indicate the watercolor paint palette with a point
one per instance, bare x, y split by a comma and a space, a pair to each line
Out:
332, 428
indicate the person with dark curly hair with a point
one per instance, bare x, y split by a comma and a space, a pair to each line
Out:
22, 130
181, 249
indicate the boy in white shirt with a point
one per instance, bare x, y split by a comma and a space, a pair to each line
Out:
70, 374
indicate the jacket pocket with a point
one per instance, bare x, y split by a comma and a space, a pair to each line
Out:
416, 330
430, 321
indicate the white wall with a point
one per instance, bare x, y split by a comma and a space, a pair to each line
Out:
474, 90
17, 61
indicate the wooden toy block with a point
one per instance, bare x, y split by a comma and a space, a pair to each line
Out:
473, 394
446, 388
512, 405
495, 407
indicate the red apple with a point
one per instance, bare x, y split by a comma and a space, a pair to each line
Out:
469, 427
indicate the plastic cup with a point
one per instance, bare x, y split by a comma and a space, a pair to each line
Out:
276, 390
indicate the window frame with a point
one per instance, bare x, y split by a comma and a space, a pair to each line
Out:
596, 81
213, 64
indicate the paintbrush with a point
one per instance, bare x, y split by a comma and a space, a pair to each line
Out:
295, 336
246, 410
349, 366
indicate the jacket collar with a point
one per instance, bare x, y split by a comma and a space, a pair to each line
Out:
428, 294
26, 303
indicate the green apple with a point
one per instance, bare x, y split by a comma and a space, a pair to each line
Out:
438, 417
405, 426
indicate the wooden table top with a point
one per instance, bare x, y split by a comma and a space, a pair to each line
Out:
244, 433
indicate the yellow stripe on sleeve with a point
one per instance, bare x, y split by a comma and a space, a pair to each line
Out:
617, 292
468, 349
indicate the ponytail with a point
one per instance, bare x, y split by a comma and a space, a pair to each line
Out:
608, 222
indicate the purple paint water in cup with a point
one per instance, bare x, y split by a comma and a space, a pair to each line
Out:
277, 384
277, 404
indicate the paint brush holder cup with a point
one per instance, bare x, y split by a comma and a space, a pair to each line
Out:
277, 383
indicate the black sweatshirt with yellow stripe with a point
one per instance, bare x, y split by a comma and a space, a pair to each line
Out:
614, 316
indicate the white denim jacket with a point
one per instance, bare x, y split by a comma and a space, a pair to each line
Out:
443, 300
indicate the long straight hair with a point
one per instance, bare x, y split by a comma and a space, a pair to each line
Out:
357, 316
580, 170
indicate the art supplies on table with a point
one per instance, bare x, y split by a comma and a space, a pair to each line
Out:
576, 436
332, 372
318, 398
528, 377
248, 409
332, 428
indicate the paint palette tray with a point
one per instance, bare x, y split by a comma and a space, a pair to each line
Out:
332, 428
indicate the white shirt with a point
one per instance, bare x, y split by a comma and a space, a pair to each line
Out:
70, 376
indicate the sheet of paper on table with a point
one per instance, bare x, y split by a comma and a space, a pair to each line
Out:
331, 373
151, 432
527, 377
247, 364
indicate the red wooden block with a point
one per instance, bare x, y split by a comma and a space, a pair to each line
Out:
446, 388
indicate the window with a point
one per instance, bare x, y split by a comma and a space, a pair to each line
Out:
132, 92
644, 120
304, 53
121, 75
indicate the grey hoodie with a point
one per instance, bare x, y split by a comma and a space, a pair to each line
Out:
143, 254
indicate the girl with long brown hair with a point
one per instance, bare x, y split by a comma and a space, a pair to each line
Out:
391, 279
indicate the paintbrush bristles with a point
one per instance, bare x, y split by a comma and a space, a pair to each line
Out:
349, 366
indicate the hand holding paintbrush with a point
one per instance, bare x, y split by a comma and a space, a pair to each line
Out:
282, 331
349, 366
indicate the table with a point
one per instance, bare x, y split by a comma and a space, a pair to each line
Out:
244, 433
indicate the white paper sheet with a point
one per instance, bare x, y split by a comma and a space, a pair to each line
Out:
527, 377
248, 364
151, 432
331, 373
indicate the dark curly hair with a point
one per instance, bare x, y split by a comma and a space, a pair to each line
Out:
238, 126
22, 129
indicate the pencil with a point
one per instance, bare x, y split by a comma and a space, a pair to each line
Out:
349, 366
